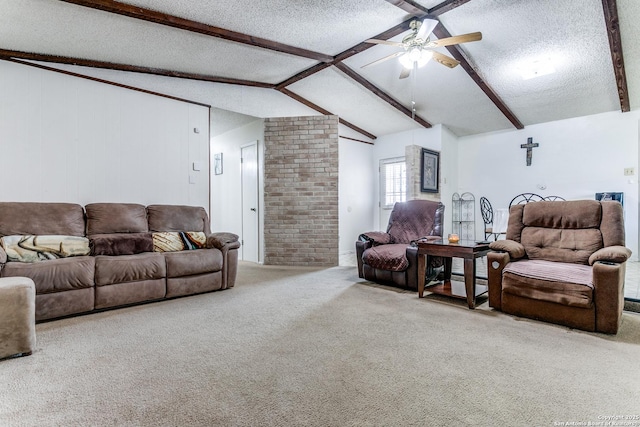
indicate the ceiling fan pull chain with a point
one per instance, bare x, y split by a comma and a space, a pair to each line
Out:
413, 87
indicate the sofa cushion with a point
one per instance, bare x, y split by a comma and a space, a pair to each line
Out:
387, 257
576, 214
193, 262
561, 245
173, 241
561, 283
129, 268
106, 218
120, 244
41, 248
55, 275
178, 218
41, 218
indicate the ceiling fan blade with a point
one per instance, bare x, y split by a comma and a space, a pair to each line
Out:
444, 59
464, 38
426, 28
376, 41
405, 73
377, 61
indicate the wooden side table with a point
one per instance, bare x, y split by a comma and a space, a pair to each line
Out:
468, 250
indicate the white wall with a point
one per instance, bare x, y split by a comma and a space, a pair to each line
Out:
576, 158
67, 139
355, 199
448, 175
226, 189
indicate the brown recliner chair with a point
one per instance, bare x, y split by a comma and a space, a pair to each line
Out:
562, 262
388, 257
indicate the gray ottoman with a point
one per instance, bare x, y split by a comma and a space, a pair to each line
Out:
17, 316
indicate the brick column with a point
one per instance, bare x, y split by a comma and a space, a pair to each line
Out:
301, 191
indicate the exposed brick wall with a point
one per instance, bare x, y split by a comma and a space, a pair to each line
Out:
301, 191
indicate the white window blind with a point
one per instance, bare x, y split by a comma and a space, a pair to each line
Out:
393, 181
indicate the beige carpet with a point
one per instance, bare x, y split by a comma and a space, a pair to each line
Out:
314, 347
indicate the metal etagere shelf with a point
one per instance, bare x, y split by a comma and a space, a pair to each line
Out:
463, 215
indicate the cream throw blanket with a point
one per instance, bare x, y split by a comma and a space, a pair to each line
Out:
31, 248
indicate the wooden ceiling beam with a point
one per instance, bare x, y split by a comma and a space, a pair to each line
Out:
360, 47
446, 6
414, 8
615, 44
131, 68
306, 73
409, 6
95, 79
325, 112
382, 95
196, 27
441, 32
17, 56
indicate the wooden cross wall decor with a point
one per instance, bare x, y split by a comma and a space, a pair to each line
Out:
530, 145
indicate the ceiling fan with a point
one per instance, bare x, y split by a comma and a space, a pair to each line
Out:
418, 47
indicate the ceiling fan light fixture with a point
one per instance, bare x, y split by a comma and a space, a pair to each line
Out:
417, 55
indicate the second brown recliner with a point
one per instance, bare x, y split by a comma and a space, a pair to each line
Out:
388, 257
562, 262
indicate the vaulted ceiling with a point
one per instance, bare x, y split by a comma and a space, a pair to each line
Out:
280, 58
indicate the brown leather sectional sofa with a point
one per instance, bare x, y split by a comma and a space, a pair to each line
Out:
122, 267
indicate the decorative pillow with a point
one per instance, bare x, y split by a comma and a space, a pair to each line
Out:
31, 248
121, 244
172, 241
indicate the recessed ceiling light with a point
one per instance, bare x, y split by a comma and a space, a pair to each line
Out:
537, 68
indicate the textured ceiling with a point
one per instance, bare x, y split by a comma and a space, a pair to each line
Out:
572, 33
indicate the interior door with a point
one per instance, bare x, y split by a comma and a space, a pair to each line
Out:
250, 208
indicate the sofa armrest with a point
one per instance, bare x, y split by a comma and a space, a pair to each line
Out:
426, 239
608, 295
614, 254
496, 262
376, 238
228, 244
361, 246
513, 248
222, 240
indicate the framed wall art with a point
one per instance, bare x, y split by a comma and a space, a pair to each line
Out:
430, 171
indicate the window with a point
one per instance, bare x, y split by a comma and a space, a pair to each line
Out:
393, 181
